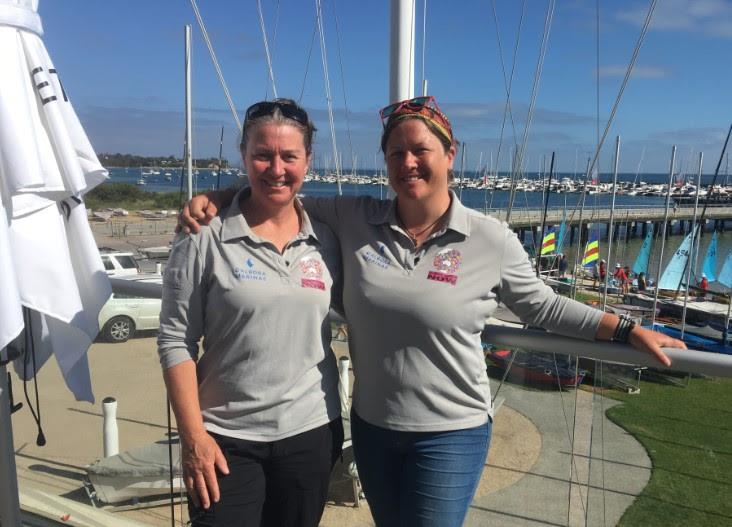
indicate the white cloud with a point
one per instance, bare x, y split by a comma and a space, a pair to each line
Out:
639, 72
701, 136
709, 17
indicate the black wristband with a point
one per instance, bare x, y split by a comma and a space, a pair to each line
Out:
623, 329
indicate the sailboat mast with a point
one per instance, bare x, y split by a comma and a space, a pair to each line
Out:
401, 64
543, 219
221, 155
579, 231
612, 217
324, 58
694, 239
189, 124
663, 234
462, 170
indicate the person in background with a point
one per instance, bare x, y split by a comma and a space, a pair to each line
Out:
258, 411
562, 267
423, 273
704, 286
600, 273
621, 276
642, 285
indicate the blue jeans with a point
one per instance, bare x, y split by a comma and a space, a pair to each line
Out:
419, 479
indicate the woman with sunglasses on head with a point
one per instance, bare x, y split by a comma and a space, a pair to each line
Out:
422, 273
258, 412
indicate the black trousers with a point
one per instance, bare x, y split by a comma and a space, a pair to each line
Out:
274, 484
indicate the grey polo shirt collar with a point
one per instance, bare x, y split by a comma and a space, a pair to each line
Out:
458, 218
234, 225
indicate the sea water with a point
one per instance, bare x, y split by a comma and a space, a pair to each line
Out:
625, 248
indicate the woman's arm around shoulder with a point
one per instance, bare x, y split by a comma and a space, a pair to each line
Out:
201, 209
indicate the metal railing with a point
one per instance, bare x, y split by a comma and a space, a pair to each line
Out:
688, 361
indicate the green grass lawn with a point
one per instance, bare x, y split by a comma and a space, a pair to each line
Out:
688, 435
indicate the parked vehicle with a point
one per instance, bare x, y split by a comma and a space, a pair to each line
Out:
118, 263
123, 315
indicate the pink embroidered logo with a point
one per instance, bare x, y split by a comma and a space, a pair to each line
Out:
311, 268
312, 274
446, 264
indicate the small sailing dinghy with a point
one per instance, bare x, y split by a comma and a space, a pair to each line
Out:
539, 368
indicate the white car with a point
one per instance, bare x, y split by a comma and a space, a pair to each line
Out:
123, 315
118, 263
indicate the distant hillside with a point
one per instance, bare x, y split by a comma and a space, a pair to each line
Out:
130, 160
131, 197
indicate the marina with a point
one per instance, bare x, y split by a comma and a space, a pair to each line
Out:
584, 432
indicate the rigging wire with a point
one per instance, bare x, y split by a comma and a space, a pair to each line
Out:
307, 63
215, 61
591, 162
343, 87
507, 82
623, 85
266, 48
274, 39
518, 168
628, 72
597, 73
326, 79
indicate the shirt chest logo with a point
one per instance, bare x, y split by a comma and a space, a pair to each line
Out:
311, 272
445, 266
379, 259
248, 272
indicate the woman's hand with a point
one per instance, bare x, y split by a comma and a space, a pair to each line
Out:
201, 209
640, 338
201, 457
652, 342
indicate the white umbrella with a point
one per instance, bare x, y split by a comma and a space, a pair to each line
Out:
46, 166
49, 263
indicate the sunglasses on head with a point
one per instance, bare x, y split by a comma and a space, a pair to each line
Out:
415, 105
287, 108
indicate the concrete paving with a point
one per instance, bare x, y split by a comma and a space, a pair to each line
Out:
525, 482
544, 496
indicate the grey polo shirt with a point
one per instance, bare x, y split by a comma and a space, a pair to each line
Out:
415, 315
266, 371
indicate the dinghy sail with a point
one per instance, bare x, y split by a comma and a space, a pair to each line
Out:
725, 275
644, 256
592, 251
709, 267
674, 272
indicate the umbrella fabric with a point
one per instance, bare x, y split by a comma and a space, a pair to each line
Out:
46, 166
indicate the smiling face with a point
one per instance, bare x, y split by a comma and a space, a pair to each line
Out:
276, 162
417, 162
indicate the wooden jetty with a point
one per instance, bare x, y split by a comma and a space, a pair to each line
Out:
634, 221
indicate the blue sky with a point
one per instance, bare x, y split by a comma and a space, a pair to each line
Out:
122, 64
